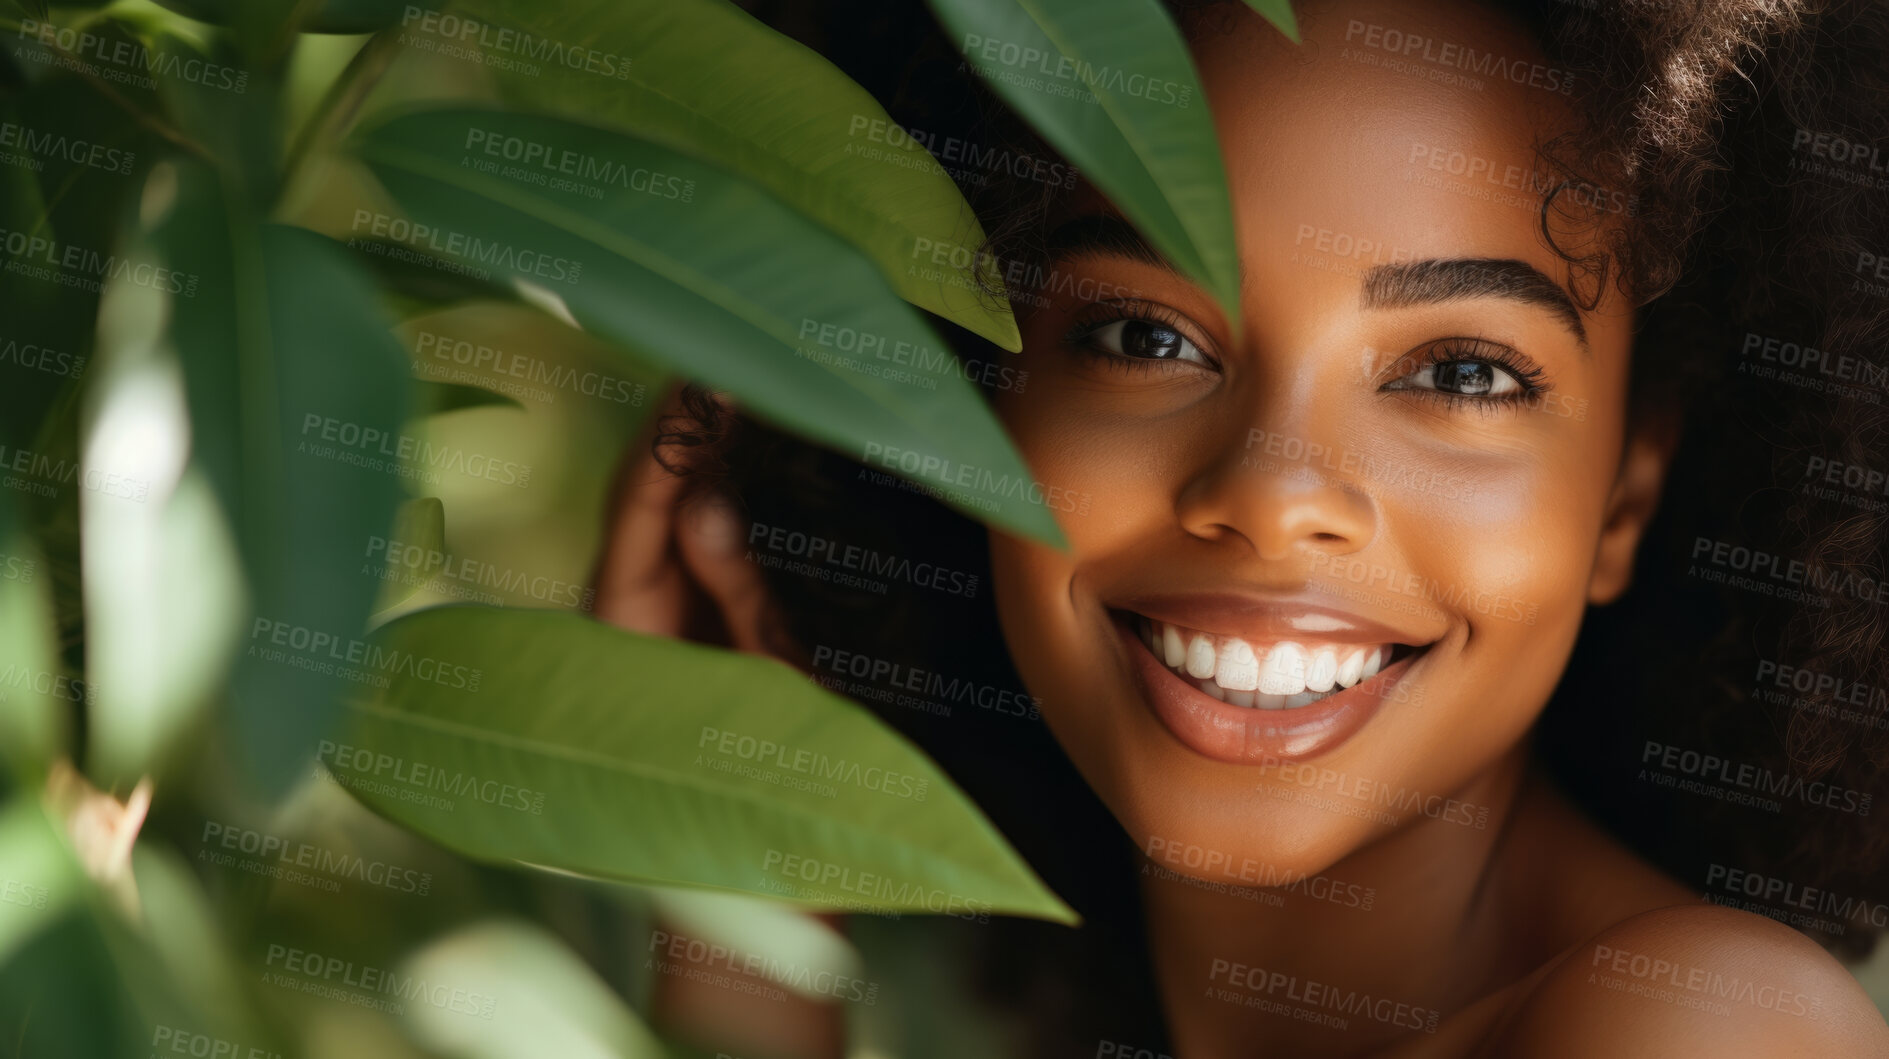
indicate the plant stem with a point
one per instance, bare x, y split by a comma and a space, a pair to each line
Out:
342, 100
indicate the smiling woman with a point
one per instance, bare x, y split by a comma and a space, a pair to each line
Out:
1380, 629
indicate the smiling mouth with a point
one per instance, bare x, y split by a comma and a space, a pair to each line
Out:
1277, 675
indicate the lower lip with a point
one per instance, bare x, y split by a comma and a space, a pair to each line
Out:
1241, 735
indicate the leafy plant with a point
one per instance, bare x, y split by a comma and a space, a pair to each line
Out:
242, 427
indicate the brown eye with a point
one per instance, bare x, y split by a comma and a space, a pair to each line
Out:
1466, 378
1146, 340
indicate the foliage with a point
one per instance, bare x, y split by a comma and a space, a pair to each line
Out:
329, 312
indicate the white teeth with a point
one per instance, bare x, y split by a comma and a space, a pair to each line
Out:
1281, 676
1283, 672
1237, 668
1323, 670
1200, 657
1350, 668
1173, 648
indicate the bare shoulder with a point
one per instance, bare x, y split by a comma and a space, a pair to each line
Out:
1695, 980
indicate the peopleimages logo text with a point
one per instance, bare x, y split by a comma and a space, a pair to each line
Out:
973, 479
579, 166
1756, 778
315, 643
466, 247
514, 42
1098, 79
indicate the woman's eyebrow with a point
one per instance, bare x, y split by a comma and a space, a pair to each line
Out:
1388, 286
1432, 280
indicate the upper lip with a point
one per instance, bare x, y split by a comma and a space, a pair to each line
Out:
1268, 619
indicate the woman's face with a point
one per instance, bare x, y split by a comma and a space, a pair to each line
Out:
1409, 457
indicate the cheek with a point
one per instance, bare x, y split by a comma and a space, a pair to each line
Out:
1509, 559
1054, 653
1119, 468
1508, 546
1059, 639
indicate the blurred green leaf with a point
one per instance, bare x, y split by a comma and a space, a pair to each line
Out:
297, 392
779, 935
418, 285
1279, 13
72, 208
163, 596
321, 16
705, 77
62, 989
83, 973
1109, 83
544, 1000
35, 697
695, 270
62, 994
436, 398
547, 739
179, 947
30, 8
229, 114
420, 524
39, 880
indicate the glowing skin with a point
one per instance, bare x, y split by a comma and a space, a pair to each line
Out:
1521, 495
1509, 519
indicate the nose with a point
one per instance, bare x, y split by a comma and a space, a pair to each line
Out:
1281, 494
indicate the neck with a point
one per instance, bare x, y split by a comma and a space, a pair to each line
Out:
1377, 945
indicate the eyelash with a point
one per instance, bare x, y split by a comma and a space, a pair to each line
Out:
1098, 315
1529, 376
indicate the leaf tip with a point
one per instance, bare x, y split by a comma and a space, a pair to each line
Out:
1065, 915
1006, 334
1279, 13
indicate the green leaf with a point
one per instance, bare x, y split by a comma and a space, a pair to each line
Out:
547, 739
323, 16
421, 524
544, 999
692, 269
76, 209
35, 697
177, 958
232, 116
163, 594
62, 995
706, 78
61, 989
30, 8
297, 392
780, 935
417, 282
1279, 13
40, 878
77, 977
437, 398
1109, 83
